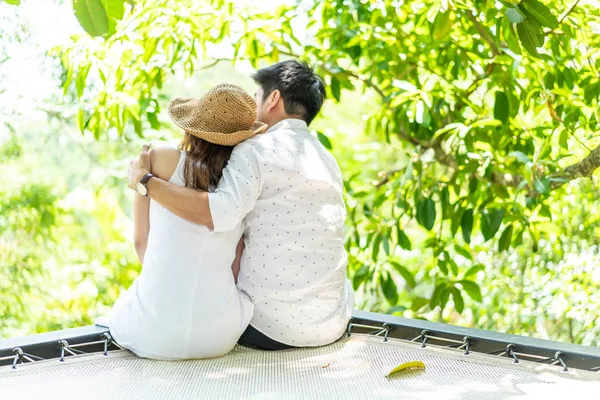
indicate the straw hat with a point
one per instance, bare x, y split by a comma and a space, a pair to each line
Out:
225, 115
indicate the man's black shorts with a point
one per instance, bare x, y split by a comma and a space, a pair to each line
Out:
256, 340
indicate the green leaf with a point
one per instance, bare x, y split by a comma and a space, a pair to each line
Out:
453, 265
490, 223
542, 185
405, 273
520, 156
390, 291
549, 80
426, 213
527, 40
459, 303
137, 127
473, 183
514, 103
255, 48
418, 303
403, 240
92, 16
472, 289
360, 276
410, 365
545, 211
80, 120
463, 252
376, 245
549, 227
324, 140
386, 244
445, 203
442, 26
534, 27
515, 16
474, 270
501, 107
563, 139
466, 225
505, 238
435, 296
80, 80
114, 8
153, 119
13, 2
512, 41
335, 88
456, 219
379, 200
444, 297
441, 264
541, 13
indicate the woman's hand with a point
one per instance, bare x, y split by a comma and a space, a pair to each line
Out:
235, 267
139, 167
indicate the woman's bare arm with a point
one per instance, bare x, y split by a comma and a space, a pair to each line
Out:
164, 162
235, 267
141, 224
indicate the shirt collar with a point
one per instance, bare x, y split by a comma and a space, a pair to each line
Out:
290, 123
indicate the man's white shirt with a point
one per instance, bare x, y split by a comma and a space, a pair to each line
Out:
288, 190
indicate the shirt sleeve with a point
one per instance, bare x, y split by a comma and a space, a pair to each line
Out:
238, 189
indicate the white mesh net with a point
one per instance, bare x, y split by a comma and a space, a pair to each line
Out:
352, 368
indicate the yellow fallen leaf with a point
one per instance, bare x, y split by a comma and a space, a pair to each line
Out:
405, 366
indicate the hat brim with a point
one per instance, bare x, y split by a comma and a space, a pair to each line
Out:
223, 139
228, 139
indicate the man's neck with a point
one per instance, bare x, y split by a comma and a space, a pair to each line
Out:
275, 121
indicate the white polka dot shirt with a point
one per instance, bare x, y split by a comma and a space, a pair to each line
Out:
288, 190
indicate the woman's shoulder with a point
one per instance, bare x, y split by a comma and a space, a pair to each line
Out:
164, 160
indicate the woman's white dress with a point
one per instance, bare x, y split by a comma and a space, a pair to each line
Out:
184, 303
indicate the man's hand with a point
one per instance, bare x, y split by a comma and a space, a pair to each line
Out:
139, 167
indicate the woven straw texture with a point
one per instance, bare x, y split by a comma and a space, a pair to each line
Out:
350, 369
225, 115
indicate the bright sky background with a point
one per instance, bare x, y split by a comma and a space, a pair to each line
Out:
26, 79
24, 82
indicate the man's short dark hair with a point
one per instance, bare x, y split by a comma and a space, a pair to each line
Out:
302, 90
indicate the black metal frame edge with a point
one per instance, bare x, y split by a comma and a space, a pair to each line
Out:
482, 341
46, 345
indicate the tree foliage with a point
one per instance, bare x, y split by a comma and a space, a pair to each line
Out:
487, 113
490, 108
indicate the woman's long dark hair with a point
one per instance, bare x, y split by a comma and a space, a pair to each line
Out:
204, 162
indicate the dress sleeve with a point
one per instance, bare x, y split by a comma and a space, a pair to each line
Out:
238, 189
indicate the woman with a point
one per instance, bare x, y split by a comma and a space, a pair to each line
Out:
185, 303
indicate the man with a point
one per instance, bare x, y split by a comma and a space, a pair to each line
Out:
288, 190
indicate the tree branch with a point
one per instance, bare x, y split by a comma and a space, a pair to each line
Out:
367, 81
483, 32
568, 11
212, 64
583, 169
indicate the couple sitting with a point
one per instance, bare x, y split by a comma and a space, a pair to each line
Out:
267, 215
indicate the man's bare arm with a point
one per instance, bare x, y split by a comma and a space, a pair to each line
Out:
184, 202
